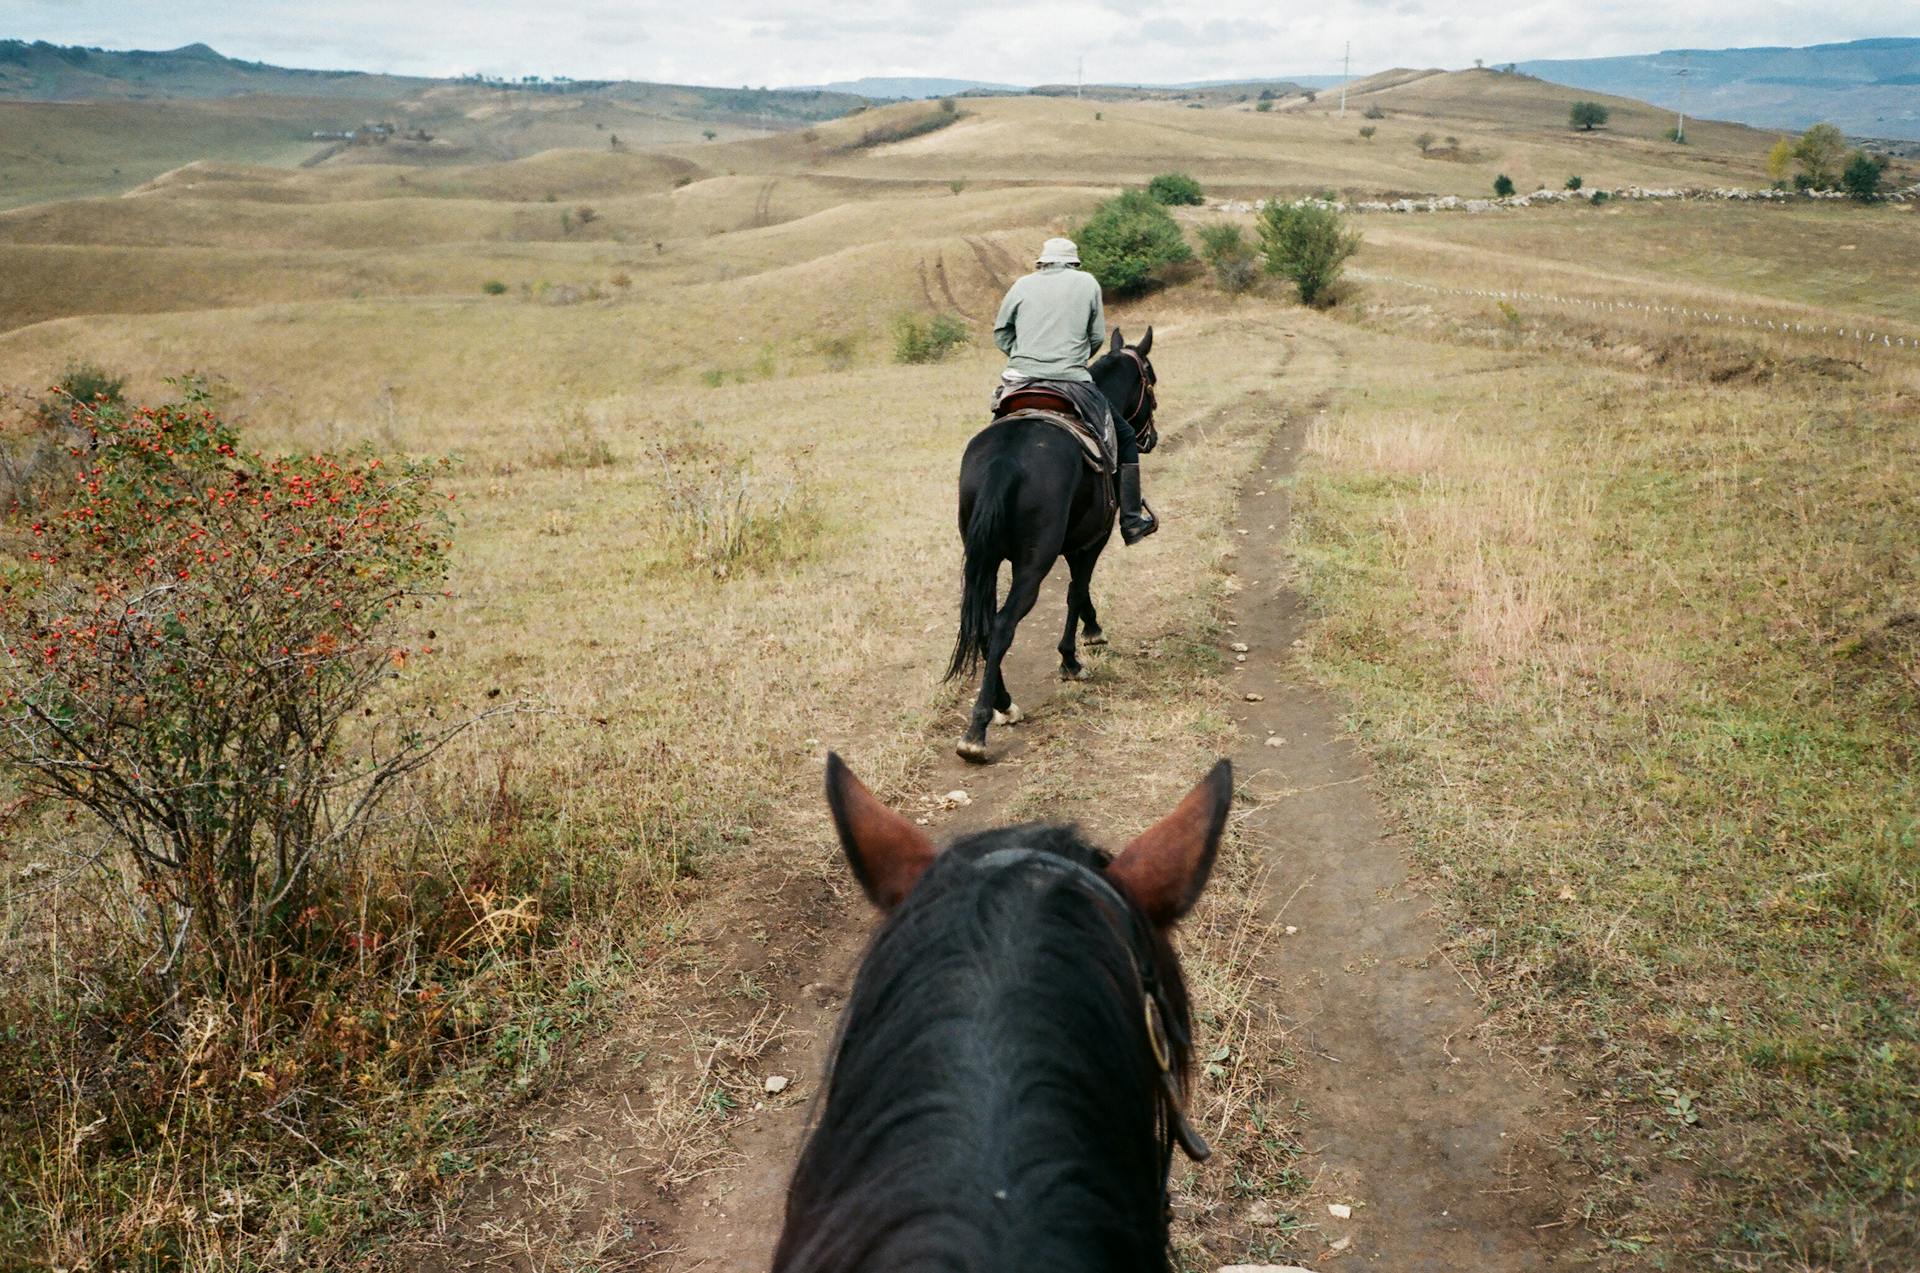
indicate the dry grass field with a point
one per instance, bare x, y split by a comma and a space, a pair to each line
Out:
1620, 609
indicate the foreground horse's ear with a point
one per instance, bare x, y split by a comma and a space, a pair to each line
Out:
1164, 870
1146, 343
1119, 342
888, 854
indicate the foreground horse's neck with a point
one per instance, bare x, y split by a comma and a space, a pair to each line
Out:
993, 1102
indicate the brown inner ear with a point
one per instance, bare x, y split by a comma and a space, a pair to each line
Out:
888, 854
1165, 869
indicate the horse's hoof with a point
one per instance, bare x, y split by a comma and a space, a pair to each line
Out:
972, 752
1081, 673
1095, 637
1012, 716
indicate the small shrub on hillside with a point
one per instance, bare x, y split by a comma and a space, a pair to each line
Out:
957, 184
575, 443
1127, 238
917, 340
708, 133
494, 287
1373, 112
721, 517
1598, 197
1676, 136
1425, 142
1175, 189
1307, 244
1503, 186
682, 181
1264, 105
1367, 131
1575, 182
1588, 116
1864, 175
950, 106
1231, 257
585, 215
838, 350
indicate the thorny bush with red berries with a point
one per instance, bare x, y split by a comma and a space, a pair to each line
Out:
191, 635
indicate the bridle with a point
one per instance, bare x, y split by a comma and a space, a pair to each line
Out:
1144, 402
1165, 1029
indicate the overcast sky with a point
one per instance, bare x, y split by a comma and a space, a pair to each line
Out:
730, 42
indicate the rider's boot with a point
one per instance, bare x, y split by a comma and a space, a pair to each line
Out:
1136, 519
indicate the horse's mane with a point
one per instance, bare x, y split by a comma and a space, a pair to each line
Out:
993, 1101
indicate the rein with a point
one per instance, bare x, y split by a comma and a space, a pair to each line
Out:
1160, 1018
1147, 436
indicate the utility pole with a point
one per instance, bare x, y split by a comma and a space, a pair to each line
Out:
1346, 73
1079, 79
1686, 69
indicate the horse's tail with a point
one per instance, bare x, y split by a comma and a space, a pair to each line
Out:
985, 551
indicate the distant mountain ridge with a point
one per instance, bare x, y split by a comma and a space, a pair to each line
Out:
43, 72
1868, 87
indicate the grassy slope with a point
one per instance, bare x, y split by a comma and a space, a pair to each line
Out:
1634, 654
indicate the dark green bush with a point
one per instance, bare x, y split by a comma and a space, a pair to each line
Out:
1862, 176
1307, 244
1230, 256
493, 287
1174, 189
1503, 186
1127, 238
1575, 182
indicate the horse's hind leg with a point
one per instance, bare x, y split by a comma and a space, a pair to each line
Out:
994, 700
1079, 613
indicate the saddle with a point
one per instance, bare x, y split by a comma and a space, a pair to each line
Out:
1037, 402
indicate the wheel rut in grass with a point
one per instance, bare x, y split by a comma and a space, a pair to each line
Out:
1442, 1146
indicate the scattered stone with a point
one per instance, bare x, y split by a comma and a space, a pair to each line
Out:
1291, 929
1263, 1268
1276, 742
1339, 1244
776, 1084
1340, 1211
1239, 647
1239, 658
1255, 698
957, 799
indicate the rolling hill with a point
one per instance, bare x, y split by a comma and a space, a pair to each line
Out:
1869, 88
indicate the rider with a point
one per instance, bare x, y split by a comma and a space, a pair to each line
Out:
1049, 325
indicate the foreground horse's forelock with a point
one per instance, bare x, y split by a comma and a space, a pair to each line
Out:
997, 1098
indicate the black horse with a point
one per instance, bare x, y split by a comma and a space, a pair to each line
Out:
1028, 497
1006, 1090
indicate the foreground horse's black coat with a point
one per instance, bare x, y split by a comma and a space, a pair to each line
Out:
1028, 498
995, 1103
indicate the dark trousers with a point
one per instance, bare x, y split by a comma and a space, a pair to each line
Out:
1129, 446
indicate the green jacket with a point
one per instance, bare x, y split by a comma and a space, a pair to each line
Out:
1050, 324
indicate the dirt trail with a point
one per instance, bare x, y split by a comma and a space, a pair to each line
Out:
1442, 1147
732, 1223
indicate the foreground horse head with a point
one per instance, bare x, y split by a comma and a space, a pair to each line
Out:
1006, 1091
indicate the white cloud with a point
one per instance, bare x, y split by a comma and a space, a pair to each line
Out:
756, 42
